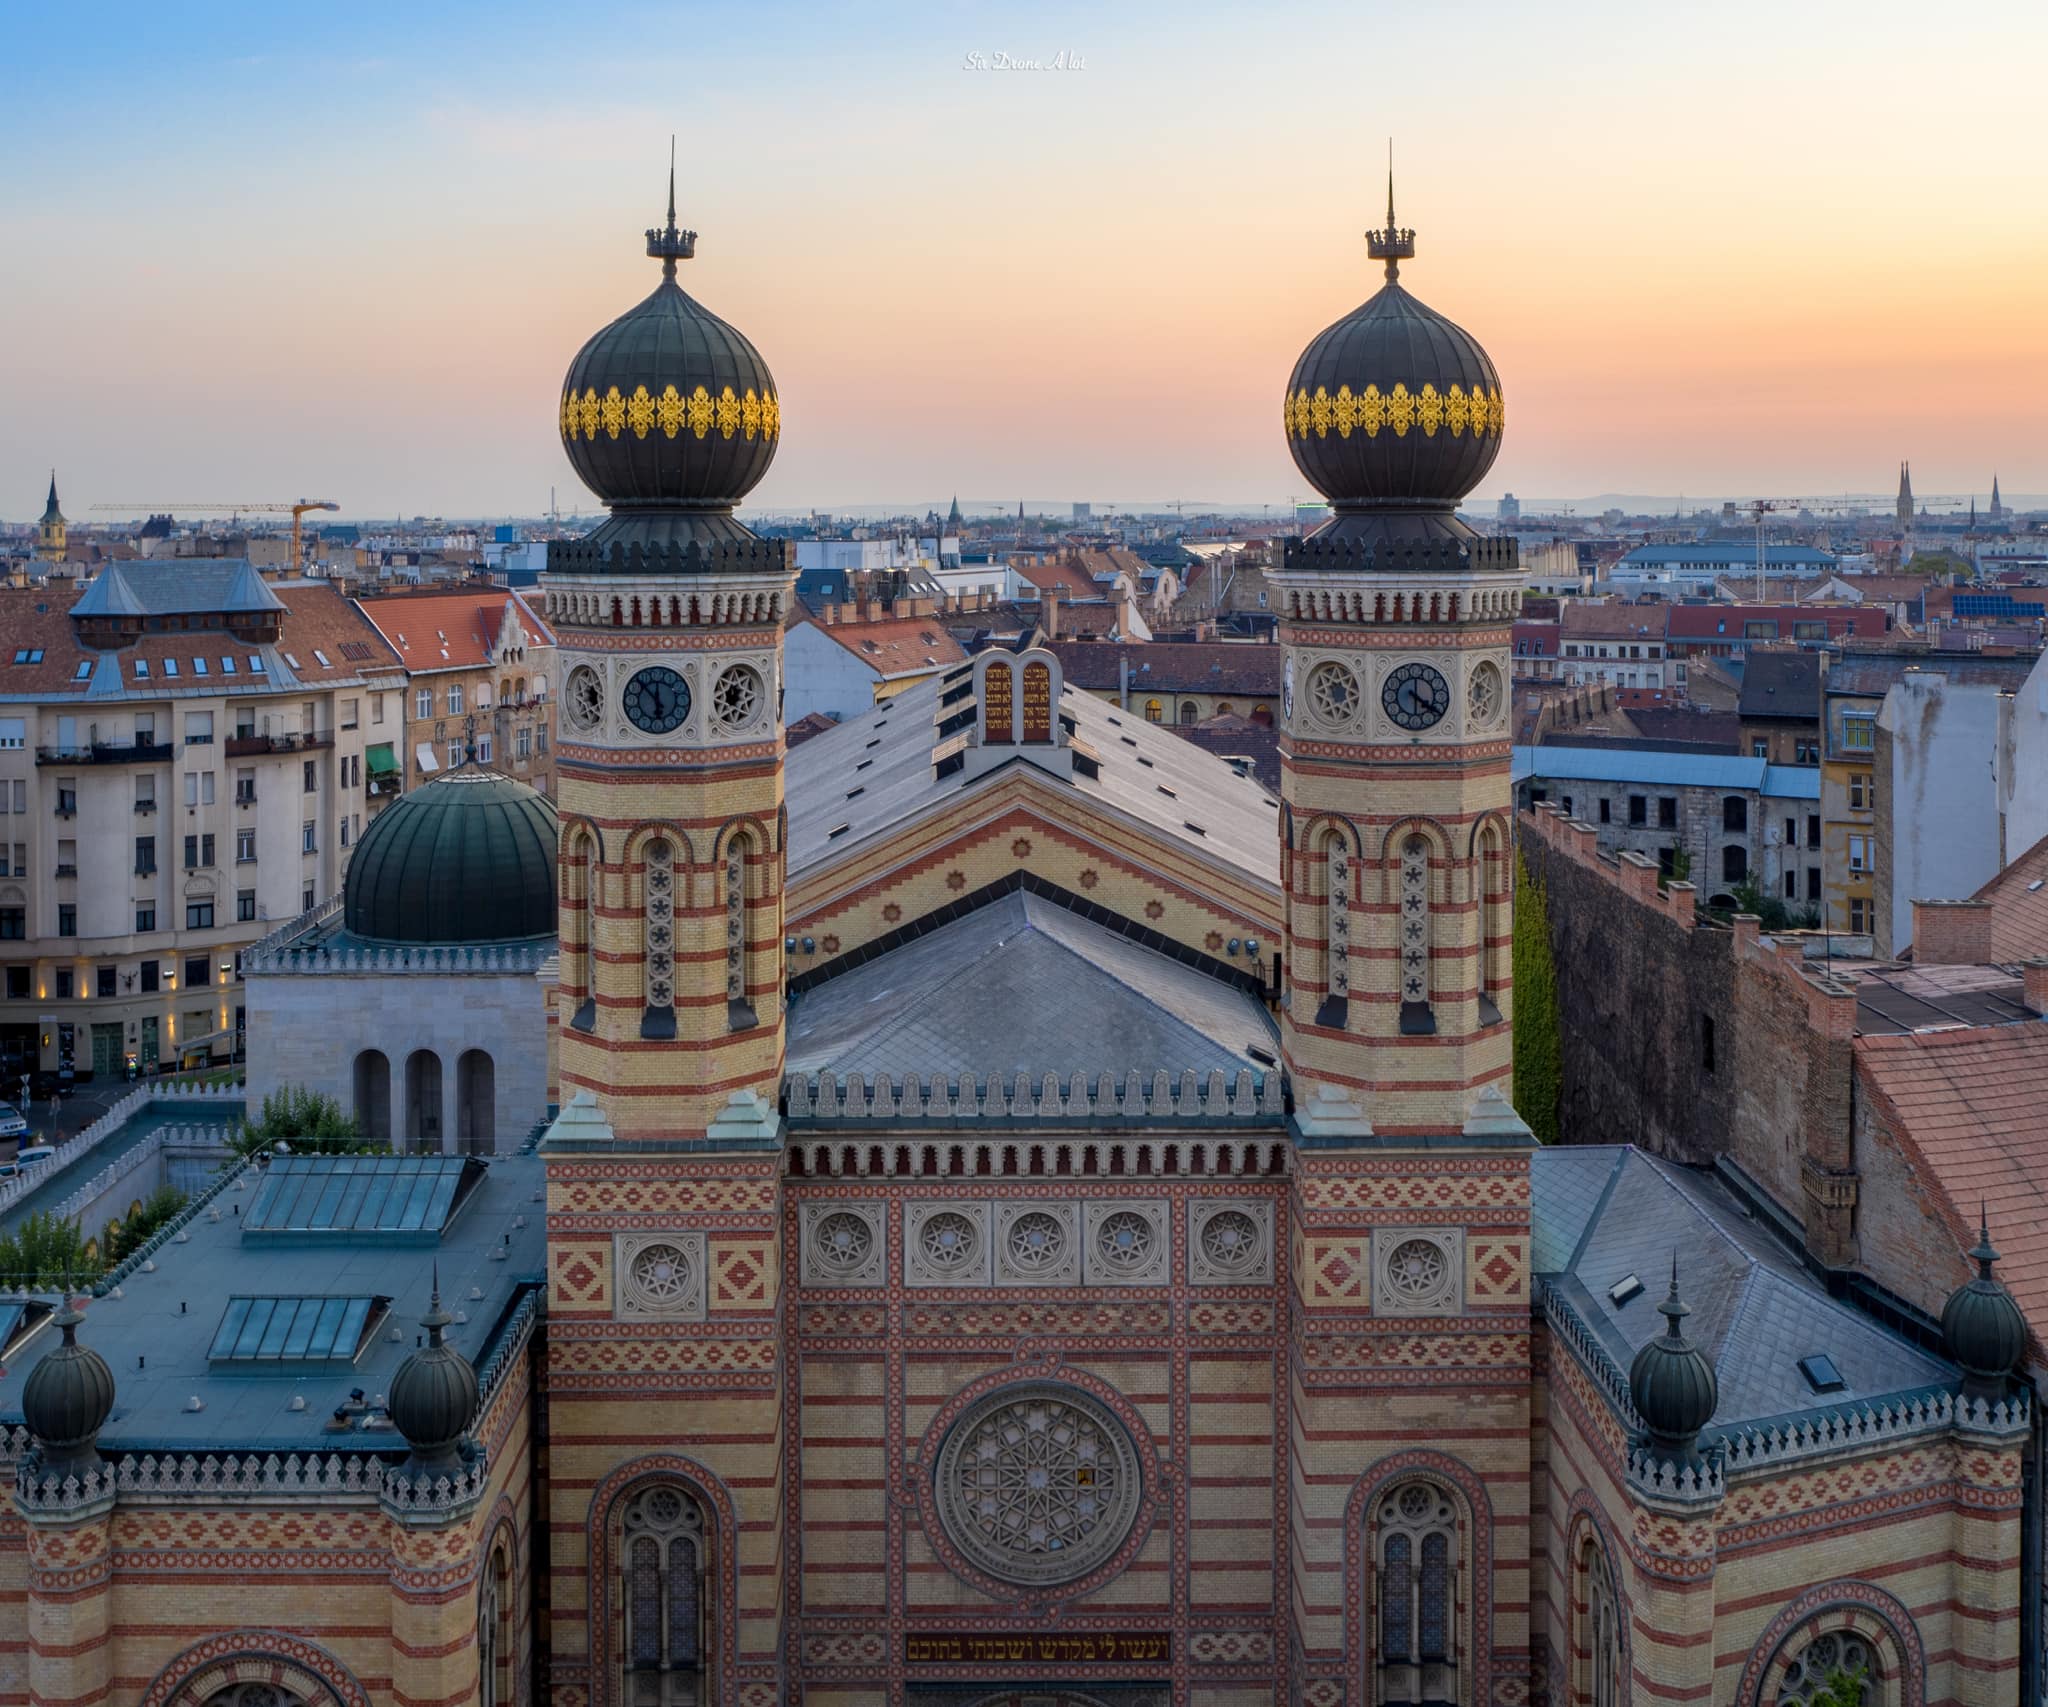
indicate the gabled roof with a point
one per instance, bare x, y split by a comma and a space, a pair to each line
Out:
1602, 1215
895, 646
1869, 675
2019, 907
876, 773
450, 631
1024, 985
1969, 1102
1587, 620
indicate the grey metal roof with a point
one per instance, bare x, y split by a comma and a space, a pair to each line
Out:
1023, 984
171, 1318
1756, 1310
887, 756
177, 587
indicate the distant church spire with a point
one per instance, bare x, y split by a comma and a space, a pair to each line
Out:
1997, 508
50, 511
1905, 495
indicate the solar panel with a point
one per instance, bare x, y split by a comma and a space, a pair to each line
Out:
372, 1199
296, 1330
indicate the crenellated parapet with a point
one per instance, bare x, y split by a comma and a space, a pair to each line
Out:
1105, 1098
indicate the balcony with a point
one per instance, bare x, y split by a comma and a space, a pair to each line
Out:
241, 746
145, 806
245, 797
67, 871
107, 753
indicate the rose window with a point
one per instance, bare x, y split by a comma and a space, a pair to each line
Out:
1038, 1485
1416, 1270
1037, 1242
951, 1242
1811, 1674
1333, 692
842, 1242
1483, 697
661, 1276
736, 697
1125, 1241
1230, 1240
586, 697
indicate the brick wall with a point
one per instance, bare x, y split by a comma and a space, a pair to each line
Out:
1951, 933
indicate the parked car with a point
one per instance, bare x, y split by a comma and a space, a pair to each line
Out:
26, 1159
11, 1123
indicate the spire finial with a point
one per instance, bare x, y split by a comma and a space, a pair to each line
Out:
669, 245
1674, 1308
436, 1318
1393, 245
1985, 1254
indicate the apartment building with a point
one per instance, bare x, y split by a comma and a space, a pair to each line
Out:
1620, 644
479, 666
182, 769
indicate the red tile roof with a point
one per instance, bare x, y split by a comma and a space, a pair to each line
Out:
450, 631
1169, 666
1068, 578
1968, 1102
2019, 907
897, 645
1585, 621
1536, 639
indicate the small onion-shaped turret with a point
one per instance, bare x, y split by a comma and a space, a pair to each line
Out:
433, 1397
1982, 1327
67, 1399
1672, 1383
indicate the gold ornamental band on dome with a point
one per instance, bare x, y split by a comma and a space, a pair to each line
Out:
751, 415
1456, 411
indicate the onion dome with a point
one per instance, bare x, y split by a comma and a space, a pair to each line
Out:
469, 858
1672, 1382
1394, 413
434, 1395
669, 415
1982, 1327
67, 1399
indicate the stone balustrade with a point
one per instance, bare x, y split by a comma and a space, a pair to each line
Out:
1080, 1099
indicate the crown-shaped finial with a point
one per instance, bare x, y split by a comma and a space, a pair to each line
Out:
669, 246
1393, 245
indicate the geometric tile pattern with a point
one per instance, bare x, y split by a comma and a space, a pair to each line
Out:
1333, 1269
1497, 1270
582, 1276
742, 1274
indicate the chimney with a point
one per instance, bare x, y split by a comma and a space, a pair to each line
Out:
2035, 973
1049, 600
1952, 933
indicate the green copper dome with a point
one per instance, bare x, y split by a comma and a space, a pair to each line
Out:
1672, 1382
469, 858
1982, 1328
67, 1399
434, 1395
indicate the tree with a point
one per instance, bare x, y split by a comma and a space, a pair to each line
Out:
1841, 1689
1539, 1049
129, 1233
310, 1121
46, 1250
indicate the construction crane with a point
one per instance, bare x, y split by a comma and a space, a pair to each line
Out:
295, 511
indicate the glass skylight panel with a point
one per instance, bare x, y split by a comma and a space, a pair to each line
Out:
400, 1199
296, 1330
227, 665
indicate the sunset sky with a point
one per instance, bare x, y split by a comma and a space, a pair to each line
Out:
1712, 250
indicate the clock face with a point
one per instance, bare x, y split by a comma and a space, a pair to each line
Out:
657, 700
1415, 696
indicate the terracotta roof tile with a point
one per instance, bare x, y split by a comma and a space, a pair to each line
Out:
1204, 666
897, 645
450, 631
2019, 907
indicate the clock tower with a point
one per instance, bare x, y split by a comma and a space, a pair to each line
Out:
669, 617
1395, 619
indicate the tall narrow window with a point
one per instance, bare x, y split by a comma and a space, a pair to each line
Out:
1601, 1647
665, 1558
1492, 878
1417, 1584
488, 1602
659, 1019
576, 958
1336, 930
1417, 1016
739, 1011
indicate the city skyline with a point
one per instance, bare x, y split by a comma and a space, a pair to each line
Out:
348, 240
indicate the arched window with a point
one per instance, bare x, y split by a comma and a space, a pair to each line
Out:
1491, 875
1417, 1583
254, 1695
1190, 713
1734, 814
658, 959
1825, 1664
1154, 711
423, 1096
739, 1010
1337, 879
667, 1636
373, 1094
1600, 1644
579, 857
476, 1102
1417, 932
493, 1651
1225, 709
1734, 864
